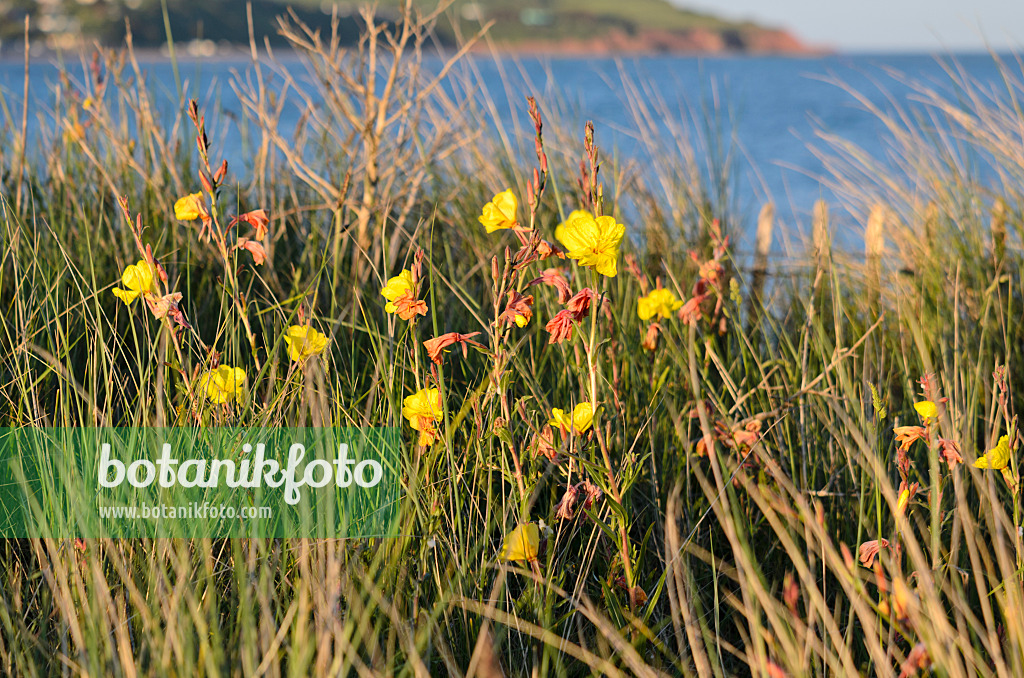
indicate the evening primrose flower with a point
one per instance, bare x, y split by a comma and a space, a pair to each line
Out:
560, 229
521, 544
500, 213
997, 458
222, 384
581, 419
660, 303
189, 207
927, 409
593, 242
400, 293
304, 342
139, 279
422, 409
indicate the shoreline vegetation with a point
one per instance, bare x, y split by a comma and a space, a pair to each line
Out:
546, 27
625, 448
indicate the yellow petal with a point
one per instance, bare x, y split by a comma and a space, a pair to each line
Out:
998, 457
927, 409
188, 207
521, 543
396, 287
500, 213
304, 342
127, 296
582, 417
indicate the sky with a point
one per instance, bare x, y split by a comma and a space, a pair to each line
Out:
885, 25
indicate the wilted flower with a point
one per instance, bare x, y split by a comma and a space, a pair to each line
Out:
436, 346
917, 660
710, 270
138, 278
566, 508
869, 549
164, 306
746, 436
256, 218
997, 458
593, 242
500, 213
650, 341
408, 307
422, 409
579, 305
579, 422
592, 494
222, 384
259, 255
545, 444
660, 303
554, 277
690, 312
519, 309
950, 451
190, 207
560, 326
908, 435
304, 342
545, 250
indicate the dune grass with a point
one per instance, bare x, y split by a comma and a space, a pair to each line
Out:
720, 514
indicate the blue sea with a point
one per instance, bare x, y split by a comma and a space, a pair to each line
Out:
769, 111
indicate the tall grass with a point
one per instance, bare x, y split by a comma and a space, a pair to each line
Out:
742, 463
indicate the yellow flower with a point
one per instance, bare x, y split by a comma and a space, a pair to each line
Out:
522, 320
138, 278
927, 409
521, 543
659, 303
303, 342
396, 288
594, 242
422, 409
560, 229
189, 207
998, 457
500, 213
580, 421
223, 384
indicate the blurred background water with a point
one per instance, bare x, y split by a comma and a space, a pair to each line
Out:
770, 109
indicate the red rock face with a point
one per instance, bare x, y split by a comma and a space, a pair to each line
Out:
696, 41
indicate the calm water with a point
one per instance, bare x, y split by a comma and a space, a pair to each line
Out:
775, 104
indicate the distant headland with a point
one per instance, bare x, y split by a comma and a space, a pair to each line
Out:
577, 27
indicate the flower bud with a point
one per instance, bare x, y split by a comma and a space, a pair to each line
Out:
218, 176
205, 181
